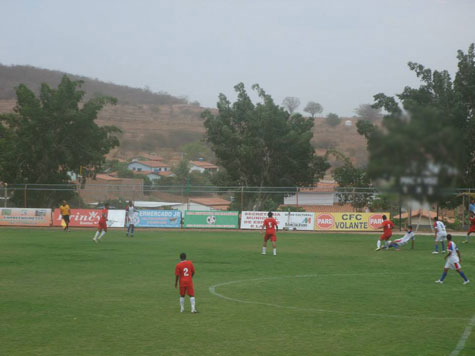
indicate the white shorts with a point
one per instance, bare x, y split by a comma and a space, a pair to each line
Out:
441, 236
452, 265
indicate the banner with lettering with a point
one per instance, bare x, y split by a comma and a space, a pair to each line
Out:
349, 221
157, 218
288, 220
90, 218
25, 217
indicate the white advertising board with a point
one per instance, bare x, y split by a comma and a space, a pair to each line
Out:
293, 221
116, 218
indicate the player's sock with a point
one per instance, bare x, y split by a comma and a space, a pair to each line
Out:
275, 251
263, 250
182, 303
96, 235
463, 276
444, 274
436, 248
102, 234
192, 300
443, 246
132, 230
468, 236
378, 244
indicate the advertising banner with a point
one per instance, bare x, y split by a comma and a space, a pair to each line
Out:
25, 217
90, 218
157, 218
254, 219
349, 221
211, 219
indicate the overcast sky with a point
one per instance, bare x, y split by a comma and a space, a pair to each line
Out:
338, 53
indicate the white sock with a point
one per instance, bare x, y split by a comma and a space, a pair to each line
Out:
263, 250
192, 300
275, 251
97, 234
182, 303
102, 234
378, 244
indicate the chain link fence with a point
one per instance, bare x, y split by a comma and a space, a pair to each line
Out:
453, 209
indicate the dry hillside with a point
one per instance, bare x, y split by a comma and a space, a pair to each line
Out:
159, 122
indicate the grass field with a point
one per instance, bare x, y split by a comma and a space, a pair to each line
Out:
324, 294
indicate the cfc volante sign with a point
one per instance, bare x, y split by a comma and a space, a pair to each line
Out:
349, 221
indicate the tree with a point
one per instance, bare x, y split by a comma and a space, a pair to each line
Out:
196, 150
261, 145
368, 112
313, 108
354, 183
49, 136
291, 103
333, 120
425, 145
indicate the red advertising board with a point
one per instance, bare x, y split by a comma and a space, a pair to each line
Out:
79, 217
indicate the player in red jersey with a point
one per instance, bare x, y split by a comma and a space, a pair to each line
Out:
270, 224
387, 227
471, 228
102, 226
184, 272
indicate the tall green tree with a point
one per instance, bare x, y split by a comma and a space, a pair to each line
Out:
426, 141
51, 135
262, 145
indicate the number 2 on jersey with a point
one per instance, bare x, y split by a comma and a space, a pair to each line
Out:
185, 272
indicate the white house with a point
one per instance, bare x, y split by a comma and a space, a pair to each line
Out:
152, 166
202, 166
322, 194
155, 175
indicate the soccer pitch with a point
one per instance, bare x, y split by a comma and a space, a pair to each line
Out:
323, 294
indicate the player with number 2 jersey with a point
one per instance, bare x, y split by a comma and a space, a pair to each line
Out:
184, 272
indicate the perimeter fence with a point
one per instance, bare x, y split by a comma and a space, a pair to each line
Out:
452, 208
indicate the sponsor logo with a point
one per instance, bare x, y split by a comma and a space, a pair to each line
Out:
375, 221
325, 221
211, 219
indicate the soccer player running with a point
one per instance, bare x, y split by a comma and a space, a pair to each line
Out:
453, 260
65, 213
387, 227
184, 272
440, 235
270, 224
471, 228
102, 226
130, 218
409, 236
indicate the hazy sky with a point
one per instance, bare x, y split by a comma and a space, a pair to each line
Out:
338, 53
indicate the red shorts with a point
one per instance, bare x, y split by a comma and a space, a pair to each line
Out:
385, 237
102, 225
187, 289
272, 237
472, 229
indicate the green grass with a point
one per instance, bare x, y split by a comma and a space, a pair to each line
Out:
60, 294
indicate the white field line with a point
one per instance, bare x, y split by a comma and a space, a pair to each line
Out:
464, 337
212, 290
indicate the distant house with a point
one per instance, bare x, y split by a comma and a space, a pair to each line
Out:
202, 166
153, 166
204, 204
106, 187
322, 194
155, 175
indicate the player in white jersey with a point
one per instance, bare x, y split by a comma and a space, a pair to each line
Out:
453, 260
409, 236
130, 218
440, 235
